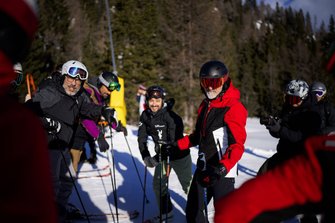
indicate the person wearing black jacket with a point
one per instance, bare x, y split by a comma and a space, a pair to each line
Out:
164, 126
59, 102
325, 108
299, 120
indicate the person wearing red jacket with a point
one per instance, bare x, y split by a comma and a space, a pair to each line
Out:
26, 189
220, 133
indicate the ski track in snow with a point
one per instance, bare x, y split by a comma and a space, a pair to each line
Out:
97, 194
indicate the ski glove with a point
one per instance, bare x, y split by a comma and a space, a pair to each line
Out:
108, 114
52, 126
211, 175
150, 161
103, 145
121, 128
275, 126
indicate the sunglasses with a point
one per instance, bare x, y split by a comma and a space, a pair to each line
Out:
319, 93
114, 86
292, 99
75, 72
214, 83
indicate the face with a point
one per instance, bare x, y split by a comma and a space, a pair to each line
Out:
71, 85
104, 91
155, 104
213, 93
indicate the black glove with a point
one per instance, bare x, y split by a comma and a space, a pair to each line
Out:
211, 175
275, 125
121, 128
150, 161
103, 145
108, 114
51, 125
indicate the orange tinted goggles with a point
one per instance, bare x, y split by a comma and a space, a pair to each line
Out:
211, 82
292, 99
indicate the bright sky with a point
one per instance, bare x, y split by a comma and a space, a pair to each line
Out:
322, 9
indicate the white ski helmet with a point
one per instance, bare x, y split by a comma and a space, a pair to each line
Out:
297, 88
75, 69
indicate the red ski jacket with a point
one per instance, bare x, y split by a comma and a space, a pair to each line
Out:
220, 129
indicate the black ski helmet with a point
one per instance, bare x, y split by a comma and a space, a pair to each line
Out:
155, 92
109, 79
213, 69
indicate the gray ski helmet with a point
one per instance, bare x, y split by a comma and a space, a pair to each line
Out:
110, 80
319, 88
155, 92
213, 69
297, 88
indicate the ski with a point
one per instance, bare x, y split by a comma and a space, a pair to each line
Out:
93, 176
107, 216
94, 170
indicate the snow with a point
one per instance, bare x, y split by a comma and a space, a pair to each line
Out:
97, 195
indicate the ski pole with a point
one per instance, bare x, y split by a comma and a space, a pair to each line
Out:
160, 182
144, 195
75, 187
202, 159
167, 183
138, 174
113, 179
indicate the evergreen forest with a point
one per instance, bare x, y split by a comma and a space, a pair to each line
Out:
165, 42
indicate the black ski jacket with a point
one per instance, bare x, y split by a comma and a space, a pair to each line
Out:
51, 100
164, 125
297, 124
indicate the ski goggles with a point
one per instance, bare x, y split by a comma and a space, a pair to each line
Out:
76, 72
292, 99
114, 86
213, 83
155, 94
319, 93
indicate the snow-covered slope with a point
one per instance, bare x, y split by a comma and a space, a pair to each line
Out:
97, 194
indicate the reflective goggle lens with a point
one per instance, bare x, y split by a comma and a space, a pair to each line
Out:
292, 99
212, 82
77, 72
319, 93
155, 94
114, 86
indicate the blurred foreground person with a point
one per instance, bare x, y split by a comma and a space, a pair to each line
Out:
26, 189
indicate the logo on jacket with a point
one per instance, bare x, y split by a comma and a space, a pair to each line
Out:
160, 133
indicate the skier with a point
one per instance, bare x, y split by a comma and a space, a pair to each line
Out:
140, 97
26, 189
163, 125
88, 130
298, 120
59, 102
220, 133
325, 107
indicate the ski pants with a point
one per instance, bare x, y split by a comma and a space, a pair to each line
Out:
183, 170
62, 180
195, 207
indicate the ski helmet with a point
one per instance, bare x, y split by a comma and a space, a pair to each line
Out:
19, 78
74, 68
213, 69
155, 92
319, 88
213, 74
297, 88
110, 80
